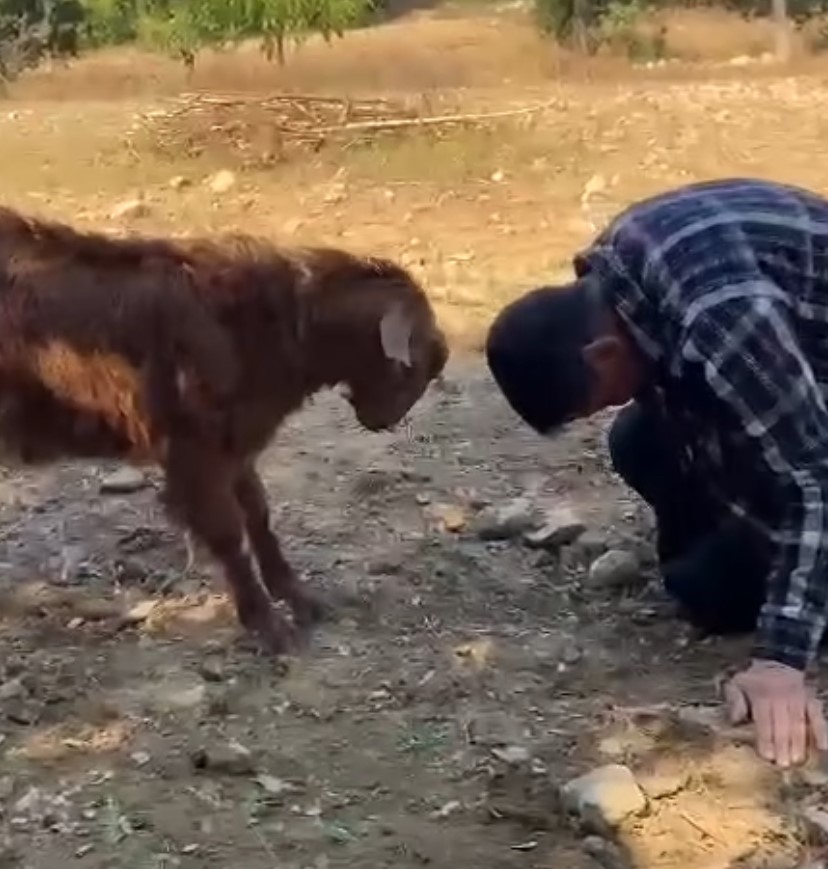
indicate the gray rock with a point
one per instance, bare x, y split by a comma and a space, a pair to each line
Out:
615, 569
591, 544
507, 521
123, 481
12, 689
560, 527
232, 759
604, 797
605, 853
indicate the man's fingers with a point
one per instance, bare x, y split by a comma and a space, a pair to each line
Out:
737, 705
817, 724
763, 719
798, 729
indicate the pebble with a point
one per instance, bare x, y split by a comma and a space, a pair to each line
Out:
604, 797
561, 527
816, 822
607, 854
123, 481
507, 521
130, 208
179, 182
453, 519
211, 671
591, 544
12, 689
614, 569
231, 759
222, 182
512, 754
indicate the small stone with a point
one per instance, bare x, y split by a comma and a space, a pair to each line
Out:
130, 208
272, 785
604, 852
453, 518
141, 758
508, 521
124, 481
561, 527
222, 182
615, 569
495, 729
12, 689
816, 822
591, 544
233, 759
604, 797
449, 809
514, 755
190, 849
211, 671
179, 182
139, 612
814, 777
84, 850
75, 623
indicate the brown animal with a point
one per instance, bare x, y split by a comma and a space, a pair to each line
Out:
190, 354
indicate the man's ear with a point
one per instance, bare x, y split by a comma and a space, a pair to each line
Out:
602, 350
395, 334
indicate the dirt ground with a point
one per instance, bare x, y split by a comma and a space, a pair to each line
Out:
460, 681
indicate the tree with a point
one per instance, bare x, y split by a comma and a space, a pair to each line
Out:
186, 26
33, 29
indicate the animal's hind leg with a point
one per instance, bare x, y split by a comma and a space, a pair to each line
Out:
200, 491
277, 574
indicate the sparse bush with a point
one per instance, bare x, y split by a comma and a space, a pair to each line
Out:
623, 30
31, 30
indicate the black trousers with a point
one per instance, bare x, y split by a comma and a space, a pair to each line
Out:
713, 564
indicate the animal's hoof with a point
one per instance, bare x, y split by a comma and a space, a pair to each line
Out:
275, 635
308, 609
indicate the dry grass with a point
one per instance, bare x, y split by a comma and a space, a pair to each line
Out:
481, 211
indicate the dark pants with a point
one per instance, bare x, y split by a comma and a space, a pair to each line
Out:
713, 564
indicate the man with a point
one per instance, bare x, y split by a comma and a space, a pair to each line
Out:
704, 311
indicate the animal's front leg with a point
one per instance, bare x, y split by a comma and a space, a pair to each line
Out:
201, 492
277, 574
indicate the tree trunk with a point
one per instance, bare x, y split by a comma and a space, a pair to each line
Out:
782, 27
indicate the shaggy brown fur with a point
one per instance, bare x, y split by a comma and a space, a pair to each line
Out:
190, 354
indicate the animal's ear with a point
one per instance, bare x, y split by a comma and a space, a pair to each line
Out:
395, 335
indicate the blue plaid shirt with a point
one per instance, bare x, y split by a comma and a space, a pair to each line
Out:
724, 287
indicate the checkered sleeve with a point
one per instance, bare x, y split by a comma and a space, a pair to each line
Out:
744, 346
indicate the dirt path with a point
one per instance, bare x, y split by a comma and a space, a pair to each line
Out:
384, 743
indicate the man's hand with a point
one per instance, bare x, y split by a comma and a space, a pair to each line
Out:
784, 711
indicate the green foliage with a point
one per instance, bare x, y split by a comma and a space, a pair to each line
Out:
109, 22
185, 26
31, 30
620, 28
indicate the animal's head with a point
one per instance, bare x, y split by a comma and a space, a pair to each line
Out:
379, 333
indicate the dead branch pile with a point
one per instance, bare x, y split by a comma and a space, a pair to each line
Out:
265, 130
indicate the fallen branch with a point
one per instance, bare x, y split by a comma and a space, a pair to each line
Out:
397, 123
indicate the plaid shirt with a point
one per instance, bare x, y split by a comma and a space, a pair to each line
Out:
724, 288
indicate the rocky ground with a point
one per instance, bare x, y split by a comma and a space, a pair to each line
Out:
486, 652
